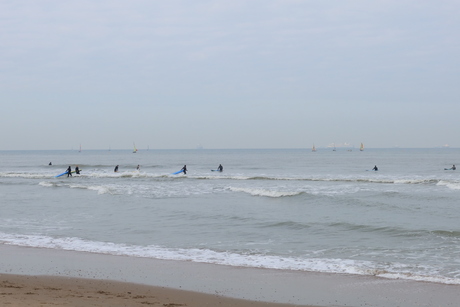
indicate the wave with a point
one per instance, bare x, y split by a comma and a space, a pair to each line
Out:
243, 259
101, 189
453, 185
443, 235
265, 192
448, 183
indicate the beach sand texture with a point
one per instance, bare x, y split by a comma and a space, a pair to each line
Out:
19, 290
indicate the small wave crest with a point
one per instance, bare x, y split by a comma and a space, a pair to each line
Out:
101, 189
26, 175
264, 192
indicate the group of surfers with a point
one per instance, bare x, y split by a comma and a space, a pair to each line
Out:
220, 168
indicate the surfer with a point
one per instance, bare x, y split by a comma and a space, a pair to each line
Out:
184, 169
116, 169
375, 168
138, 167
69, 171
220, 168
453, 168
77, 170
50, 163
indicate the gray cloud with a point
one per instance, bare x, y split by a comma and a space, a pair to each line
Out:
228, 73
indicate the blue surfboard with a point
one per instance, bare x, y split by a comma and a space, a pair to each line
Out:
177, 172
61, 174
65, 173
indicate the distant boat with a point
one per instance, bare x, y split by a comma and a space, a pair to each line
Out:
313, 148
361, 148
135, 149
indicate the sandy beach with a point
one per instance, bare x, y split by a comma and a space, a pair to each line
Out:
18, 290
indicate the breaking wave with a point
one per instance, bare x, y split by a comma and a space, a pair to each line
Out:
237, 259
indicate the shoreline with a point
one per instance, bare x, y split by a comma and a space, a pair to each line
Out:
280, 287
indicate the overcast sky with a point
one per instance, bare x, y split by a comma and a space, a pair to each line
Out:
229, 74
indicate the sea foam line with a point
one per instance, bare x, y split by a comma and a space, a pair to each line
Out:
253, 260
135, 173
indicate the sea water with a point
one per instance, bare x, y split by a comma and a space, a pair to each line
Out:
290, 209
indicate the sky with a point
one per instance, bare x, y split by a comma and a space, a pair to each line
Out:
179, 74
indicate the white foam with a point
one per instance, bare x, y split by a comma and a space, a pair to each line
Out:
393, 271
26, 175
264, 192
47, 184
449, 184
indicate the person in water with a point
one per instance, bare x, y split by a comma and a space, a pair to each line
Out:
453, 167
138, 167
116, 169
375, 168
50, 163
184, 169
69, 171
77, 170
220, 168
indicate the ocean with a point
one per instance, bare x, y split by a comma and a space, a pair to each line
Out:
288, 209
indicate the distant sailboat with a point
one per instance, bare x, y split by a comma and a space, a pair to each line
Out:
361, 148
313, 148
135, 149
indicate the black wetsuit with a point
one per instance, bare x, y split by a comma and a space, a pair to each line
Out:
69, 171
184, 169
116, 169
220, 168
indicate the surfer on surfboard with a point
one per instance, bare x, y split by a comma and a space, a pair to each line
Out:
375, 168
220, 168
184, 169
453, 168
